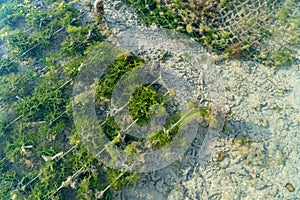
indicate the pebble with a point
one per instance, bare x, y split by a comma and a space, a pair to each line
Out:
221, 155
289, 187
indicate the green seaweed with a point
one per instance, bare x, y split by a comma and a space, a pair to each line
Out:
37, 124
141, 101
115, 71
163, 137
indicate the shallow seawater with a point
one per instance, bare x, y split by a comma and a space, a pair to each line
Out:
149, 99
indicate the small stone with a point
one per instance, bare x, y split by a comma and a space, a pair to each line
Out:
290, 187
221, 156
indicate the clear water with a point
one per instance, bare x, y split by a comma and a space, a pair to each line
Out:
132, 100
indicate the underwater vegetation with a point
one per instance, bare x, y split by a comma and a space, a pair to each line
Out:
41, 152
43, 47
141, 101
231, 29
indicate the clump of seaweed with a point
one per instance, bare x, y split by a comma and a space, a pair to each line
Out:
42, 155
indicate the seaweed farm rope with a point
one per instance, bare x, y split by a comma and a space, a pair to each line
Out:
60, 87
